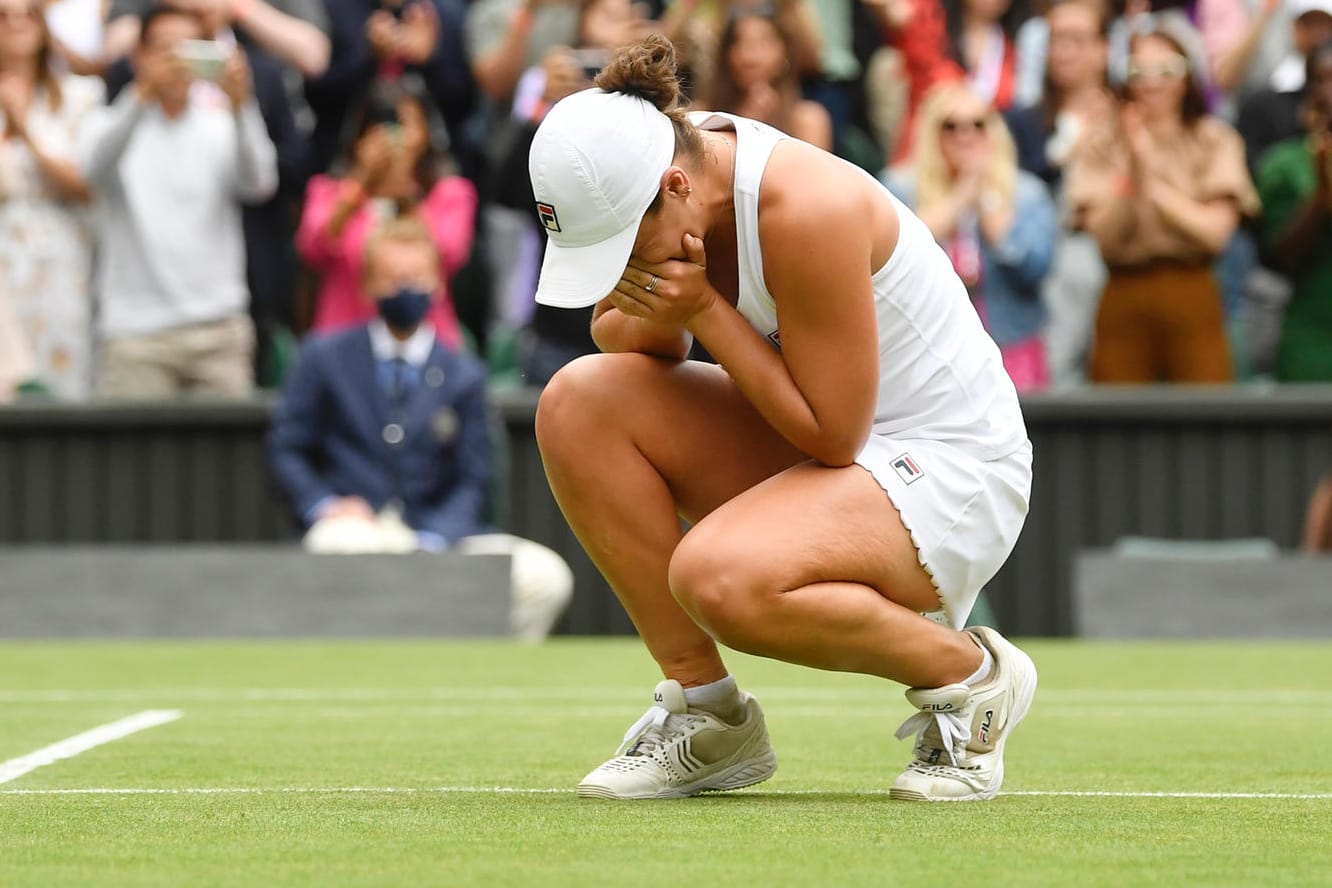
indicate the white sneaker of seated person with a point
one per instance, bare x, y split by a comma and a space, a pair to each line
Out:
961, 730
675, 751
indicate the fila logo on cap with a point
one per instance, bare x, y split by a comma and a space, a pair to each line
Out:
546, 213
907, 469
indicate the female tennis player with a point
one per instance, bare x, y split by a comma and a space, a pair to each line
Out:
854, 468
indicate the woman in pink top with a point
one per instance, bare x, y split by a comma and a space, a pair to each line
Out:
393, 170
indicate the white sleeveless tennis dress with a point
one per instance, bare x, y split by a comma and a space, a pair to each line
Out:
949, 445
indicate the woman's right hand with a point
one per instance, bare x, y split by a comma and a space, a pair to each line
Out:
1141, 145
564, 76
374, 154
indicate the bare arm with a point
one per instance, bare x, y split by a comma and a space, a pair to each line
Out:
497, 71
1208, 223
287, 37
819, 390
615, 331
800, 21
63, 175
1230, 66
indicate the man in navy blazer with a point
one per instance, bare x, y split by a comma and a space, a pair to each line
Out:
381, 440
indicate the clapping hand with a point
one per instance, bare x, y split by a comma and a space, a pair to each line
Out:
413, 39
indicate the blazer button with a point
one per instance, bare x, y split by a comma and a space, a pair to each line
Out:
393, 434
434, 377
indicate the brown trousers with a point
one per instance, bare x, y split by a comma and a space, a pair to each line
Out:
1162, 324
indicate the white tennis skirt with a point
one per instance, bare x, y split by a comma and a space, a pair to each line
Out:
964, 514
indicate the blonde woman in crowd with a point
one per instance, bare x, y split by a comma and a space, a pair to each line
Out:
996, 222
755, 78
45, 246
1162, 187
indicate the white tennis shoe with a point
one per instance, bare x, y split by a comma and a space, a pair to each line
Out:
674, 751
961, 731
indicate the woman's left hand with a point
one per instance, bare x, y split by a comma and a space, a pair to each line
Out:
671, 292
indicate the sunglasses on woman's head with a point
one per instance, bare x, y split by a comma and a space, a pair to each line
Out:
953, 126
1172, 70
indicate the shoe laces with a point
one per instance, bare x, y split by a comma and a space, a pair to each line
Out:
654, 730
936, 730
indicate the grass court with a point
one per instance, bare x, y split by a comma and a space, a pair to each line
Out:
432, 763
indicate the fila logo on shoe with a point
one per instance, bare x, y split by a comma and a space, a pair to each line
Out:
938, 707
984, 731
658, 698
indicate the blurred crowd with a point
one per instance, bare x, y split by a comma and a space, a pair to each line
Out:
1132, 192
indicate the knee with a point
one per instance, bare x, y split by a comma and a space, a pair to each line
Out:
567, 399
582, 402
718, 588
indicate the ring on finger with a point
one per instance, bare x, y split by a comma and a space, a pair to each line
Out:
652, 284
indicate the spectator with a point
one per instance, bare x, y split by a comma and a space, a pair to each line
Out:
980, 39
696, 28
381, 440
392, 166
45, 251
293, 31
1076, 97
848, 39
1162, 187
173, 160
1075, 101
756, 79
384, 39
1295, 183
918, 32
543, 338
270, 255
1273, 114
996, 222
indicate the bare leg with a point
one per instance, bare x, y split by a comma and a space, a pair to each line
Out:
630, 442
812, 566
815, 567
1318, 520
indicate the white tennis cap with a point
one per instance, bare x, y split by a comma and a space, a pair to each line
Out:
596, 165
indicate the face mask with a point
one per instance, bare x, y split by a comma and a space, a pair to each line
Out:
405, 308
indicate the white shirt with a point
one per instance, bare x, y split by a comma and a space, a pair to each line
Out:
169, 211
415, 349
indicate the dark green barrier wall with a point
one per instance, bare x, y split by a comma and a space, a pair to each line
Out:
1171, 463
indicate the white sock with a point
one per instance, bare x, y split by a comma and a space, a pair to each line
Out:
987, 663
721, 697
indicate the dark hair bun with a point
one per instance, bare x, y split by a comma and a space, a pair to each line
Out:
646, 69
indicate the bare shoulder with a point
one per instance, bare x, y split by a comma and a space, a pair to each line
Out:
811, 200
807, 191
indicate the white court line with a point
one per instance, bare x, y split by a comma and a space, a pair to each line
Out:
519, 790
1128, 696
72, 746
